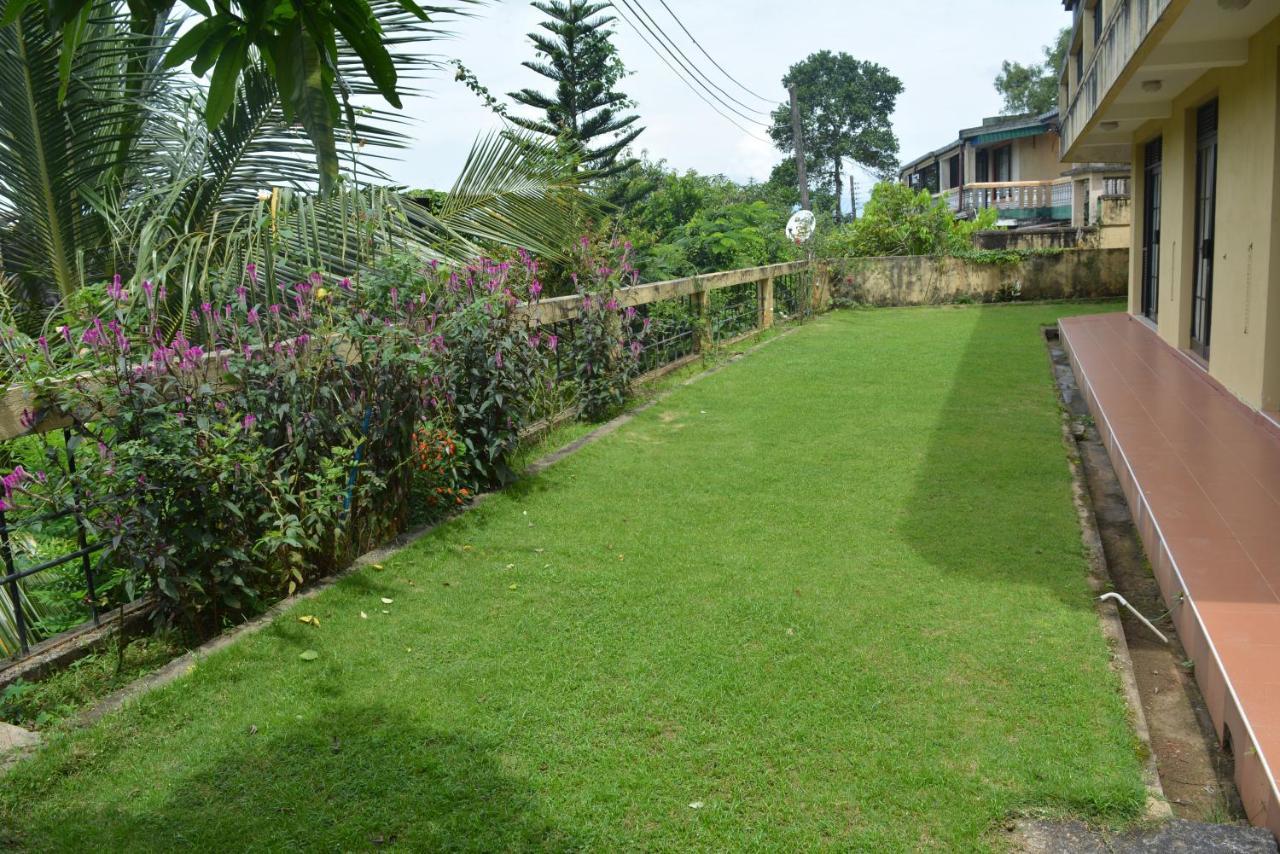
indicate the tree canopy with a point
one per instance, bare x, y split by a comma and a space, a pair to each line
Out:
845, 105
1033, 88
585, 113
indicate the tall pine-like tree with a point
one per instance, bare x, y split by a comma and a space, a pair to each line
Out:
585, 113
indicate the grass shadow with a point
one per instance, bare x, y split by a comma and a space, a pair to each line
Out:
340, 778
993, 496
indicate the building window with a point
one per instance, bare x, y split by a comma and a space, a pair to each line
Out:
1097, 22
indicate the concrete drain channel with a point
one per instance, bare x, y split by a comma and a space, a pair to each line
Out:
1194, 805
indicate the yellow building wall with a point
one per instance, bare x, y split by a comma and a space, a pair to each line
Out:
1036, 158
1245, 332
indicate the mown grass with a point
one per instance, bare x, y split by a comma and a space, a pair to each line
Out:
832, 596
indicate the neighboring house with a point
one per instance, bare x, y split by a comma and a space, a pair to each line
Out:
1185, 386
1011, 163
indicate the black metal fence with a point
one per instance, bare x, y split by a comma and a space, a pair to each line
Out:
25, 619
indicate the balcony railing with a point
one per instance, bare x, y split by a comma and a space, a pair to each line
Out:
1022, 200
1125, 31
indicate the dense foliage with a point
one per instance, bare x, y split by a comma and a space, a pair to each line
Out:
686, 223
900, 221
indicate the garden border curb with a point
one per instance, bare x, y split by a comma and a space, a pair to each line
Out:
1157, 806
184, 664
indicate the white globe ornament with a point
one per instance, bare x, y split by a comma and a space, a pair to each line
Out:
801, 226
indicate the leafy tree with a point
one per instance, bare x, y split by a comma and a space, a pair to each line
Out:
1034, 88
585, 113
845, 104
299, 43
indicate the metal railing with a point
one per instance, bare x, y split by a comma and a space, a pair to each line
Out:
1129, 25
22, 618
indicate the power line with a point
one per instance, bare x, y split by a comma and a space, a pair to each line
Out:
690, 64
741, 86
673, 55
682, 79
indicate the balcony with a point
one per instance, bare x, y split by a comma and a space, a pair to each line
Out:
1014, 200
1129, 25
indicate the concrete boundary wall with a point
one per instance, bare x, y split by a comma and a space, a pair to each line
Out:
933, 280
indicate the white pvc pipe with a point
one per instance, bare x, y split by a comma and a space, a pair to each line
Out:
1125, 602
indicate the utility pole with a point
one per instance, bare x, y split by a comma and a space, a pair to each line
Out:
853, 196
798, 136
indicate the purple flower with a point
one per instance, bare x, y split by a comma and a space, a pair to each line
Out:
13, 480
252, 269
631, 312
552, 341
635, 347
44, 344
115, 290
249, 420
253, 315
534, 340
612, 304
345, 283
206, 308
498, 359
27, 419
535, 288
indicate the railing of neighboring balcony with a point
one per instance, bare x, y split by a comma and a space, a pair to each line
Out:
1128, 27
1020, 199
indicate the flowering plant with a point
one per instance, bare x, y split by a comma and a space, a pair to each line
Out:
241, 449
609, 338
496, 362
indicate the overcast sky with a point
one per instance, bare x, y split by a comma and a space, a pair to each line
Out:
945, 52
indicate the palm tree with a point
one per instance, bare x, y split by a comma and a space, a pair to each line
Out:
119, 172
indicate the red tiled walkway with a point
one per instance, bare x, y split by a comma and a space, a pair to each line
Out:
1202, 475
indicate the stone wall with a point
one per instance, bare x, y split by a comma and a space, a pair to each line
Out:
930, 280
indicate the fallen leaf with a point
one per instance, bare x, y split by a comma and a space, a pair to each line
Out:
386, 601
539, 551
696, 805
378, 567
309, 655
253, 729
512, 586
466, 548
511, 566
363, 615
310, 620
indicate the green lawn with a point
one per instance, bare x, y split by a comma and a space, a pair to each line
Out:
833, 595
